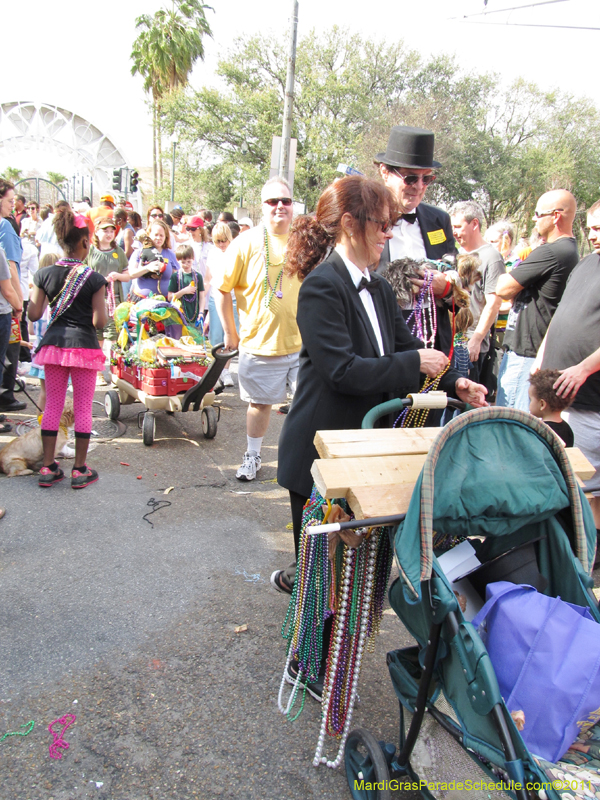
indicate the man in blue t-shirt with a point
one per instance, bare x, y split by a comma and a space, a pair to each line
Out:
12, 246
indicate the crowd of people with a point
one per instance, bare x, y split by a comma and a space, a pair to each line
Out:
307, 304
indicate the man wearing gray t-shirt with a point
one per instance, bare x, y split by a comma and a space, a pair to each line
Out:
467, 221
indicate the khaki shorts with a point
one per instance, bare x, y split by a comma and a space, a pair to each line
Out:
266, 380
586, 430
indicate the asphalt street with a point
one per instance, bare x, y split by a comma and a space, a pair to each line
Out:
131, 628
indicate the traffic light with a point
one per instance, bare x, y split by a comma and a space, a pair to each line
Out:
116, 184
133, 181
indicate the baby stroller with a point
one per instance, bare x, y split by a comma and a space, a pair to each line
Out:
501, 477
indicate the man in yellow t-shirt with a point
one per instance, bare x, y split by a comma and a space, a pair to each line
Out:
269, 339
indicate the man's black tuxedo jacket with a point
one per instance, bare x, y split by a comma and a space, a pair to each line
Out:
436, 230
342, 375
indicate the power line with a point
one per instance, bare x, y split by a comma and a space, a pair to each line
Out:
535, 25
512, 8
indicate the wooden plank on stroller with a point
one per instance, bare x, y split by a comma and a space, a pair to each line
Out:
581, 466
379, 501
334, 476
374, 442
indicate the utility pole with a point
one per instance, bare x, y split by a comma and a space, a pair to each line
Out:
286, 132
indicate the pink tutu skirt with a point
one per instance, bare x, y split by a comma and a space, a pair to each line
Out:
82, 357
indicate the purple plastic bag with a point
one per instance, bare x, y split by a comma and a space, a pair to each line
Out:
546, 655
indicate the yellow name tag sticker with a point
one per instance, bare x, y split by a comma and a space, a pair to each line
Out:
436, 237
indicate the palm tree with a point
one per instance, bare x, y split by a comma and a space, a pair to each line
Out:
12, 174
164, 54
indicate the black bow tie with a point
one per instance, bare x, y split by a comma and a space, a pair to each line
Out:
410, 218
371, 286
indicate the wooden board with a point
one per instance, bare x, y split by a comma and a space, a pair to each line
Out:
374, 442
383, 485
380, 501
581, 466
334, 476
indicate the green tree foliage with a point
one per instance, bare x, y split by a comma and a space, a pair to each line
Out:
56, 177
164, 54
12, 174
503, 146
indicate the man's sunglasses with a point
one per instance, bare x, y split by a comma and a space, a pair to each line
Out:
539, 215
274, 201
190, 229
412, 180
386, 225
158, 216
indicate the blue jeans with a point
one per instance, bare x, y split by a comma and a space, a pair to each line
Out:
4, 339
513, 381
216, 333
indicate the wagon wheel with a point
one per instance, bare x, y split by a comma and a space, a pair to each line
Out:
209, 422
365, 764
112, 404
148, 428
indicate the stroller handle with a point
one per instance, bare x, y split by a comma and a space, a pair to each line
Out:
355, 524
428, 400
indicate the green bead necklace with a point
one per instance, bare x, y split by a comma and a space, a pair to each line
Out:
269, 290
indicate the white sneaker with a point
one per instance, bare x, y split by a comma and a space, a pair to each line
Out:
226, 378
250, 466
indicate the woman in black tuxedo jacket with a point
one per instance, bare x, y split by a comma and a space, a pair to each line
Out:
357, 351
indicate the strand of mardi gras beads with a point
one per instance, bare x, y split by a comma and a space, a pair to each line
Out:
110, 299
308, 607
417, 417
340, 687
28, 728
275, 292
58, 742
75, 280
421, 316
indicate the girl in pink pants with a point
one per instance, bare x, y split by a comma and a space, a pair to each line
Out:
70, 346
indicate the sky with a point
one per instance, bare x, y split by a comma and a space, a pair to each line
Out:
80, 60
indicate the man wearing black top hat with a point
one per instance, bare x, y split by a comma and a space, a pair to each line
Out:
423, 231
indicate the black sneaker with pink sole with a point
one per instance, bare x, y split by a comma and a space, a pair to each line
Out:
48, 476
82, 477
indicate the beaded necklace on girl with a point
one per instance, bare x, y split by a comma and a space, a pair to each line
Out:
77, 276
272, 290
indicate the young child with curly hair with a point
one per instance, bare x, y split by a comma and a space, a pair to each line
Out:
547, 405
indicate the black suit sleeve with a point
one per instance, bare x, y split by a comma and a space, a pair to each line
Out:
333, 333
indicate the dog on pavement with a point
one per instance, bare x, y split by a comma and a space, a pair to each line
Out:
25, 453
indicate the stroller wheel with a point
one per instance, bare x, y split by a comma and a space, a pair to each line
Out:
366, 766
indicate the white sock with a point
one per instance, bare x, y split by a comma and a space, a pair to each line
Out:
254, 445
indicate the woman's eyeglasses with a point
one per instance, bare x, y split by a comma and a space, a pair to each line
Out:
190, 229
386, 225
274, 201
412, 180
157, 216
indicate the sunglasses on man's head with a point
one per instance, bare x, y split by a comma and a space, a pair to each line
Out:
274, 201
540, 214
159, 216
412, 180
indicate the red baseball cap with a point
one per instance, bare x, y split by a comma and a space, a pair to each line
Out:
195, 222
